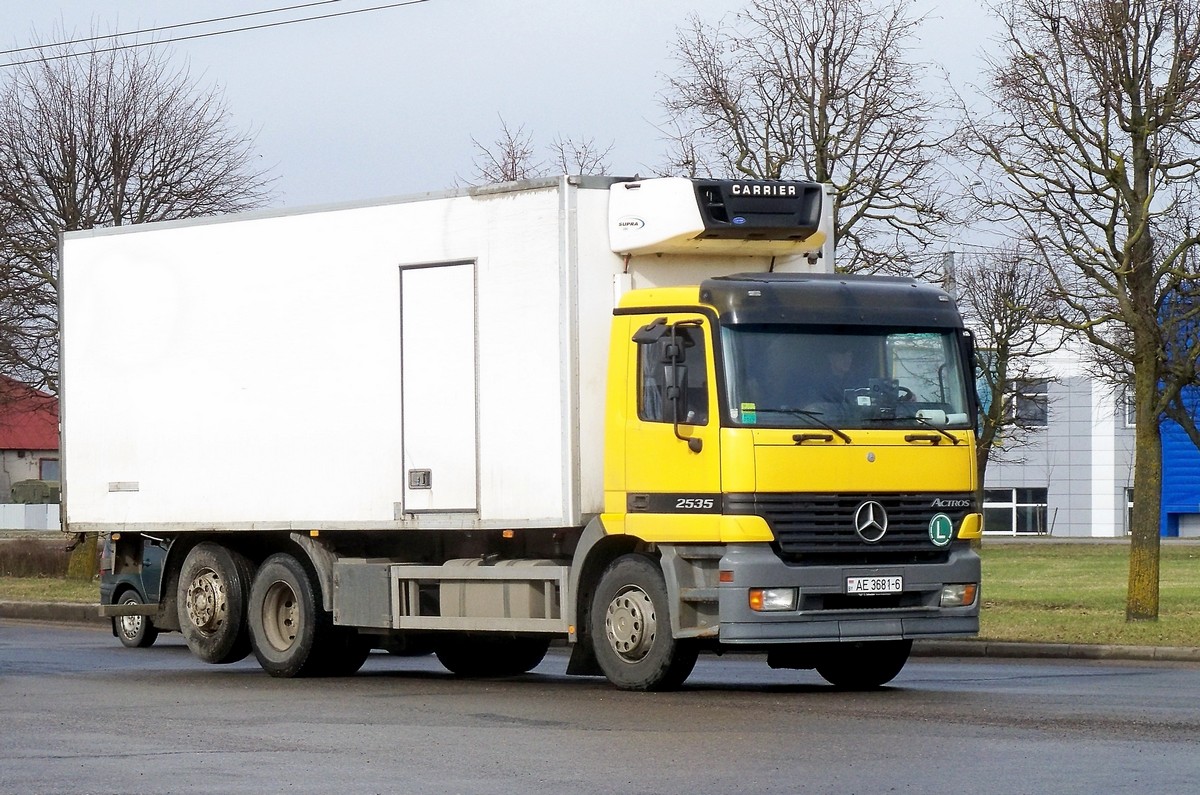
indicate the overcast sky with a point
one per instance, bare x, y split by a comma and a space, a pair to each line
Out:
386, 103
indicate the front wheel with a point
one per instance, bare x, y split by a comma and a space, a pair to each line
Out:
864, 665
134, 632
630, 626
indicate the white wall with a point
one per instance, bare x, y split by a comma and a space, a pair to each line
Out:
29, 517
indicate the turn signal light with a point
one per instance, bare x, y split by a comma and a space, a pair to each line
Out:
961, 595
766, 600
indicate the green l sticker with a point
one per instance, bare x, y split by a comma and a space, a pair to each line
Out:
941, 530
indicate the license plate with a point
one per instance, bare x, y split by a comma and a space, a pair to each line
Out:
869, 585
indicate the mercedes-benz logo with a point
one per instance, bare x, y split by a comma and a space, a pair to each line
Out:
870, 521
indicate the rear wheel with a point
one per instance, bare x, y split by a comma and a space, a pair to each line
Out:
213, 585
483, 655
134, 632
289, 630
631, 628
345, 653
408, 644
864, 665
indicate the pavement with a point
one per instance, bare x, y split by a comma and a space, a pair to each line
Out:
67, 613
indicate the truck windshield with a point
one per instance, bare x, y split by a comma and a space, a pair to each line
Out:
803, 377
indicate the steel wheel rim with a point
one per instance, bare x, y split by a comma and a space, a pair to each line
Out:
280, 615
630, 624
130, 626
207, 602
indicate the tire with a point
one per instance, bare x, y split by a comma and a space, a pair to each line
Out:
630, 626
865, 665
487, 655
345, 653
290, 632
408, 645
213, 587
134, 632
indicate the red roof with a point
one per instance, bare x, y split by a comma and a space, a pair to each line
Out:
28, 418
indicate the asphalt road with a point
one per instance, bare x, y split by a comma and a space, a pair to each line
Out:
81, 714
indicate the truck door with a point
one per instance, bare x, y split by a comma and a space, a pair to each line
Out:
439, 390
672, 455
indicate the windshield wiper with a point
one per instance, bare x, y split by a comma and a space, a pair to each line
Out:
937, 428
815, 416
921, 420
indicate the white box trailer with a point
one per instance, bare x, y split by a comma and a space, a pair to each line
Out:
477, 421
435, 362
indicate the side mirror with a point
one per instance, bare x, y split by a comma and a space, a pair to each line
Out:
671, 354
677, 394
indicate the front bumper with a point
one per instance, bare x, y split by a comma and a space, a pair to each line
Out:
824, 611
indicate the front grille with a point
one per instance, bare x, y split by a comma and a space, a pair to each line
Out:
820, 527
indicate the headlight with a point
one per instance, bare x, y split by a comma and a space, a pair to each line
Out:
765, 600
960, 595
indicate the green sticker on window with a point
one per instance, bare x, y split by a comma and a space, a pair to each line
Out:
749, 414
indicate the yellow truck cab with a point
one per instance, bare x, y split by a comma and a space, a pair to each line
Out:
798, 451
643, 417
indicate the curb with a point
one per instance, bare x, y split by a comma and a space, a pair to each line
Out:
1059, 651
61, 612
78, 613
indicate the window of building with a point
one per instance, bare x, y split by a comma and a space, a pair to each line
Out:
48, 469
1128, 408
657, 374
1030, 402
1128, 511
1015, 512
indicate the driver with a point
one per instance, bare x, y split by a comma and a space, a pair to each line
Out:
840, 374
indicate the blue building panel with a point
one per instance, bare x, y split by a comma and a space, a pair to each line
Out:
1180, 477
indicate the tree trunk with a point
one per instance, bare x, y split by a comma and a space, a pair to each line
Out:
1141, 600
83, 562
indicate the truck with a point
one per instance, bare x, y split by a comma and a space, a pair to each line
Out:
641, 418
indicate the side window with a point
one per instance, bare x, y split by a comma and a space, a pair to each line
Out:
656, 374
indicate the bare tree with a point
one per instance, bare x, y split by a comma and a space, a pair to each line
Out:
1006, 299
512, 157
508, 159
90, 139
1095, 145
821, 90
580, 157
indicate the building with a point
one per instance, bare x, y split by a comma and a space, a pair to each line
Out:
28, 436
1181, 483
1073, 476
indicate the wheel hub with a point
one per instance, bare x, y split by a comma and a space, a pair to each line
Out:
207, 607
630, 623
130, 626
280, 615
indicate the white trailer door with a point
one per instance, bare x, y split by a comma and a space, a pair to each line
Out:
439, 389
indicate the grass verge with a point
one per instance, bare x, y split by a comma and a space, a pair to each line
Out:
1075, 593
48, 589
